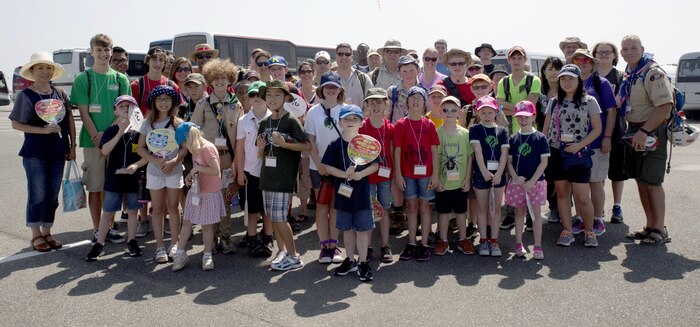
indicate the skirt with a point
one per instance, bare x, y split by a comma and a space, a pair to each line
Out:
209, 211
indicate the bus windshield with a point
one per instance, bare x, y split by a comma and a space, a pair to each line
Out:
183, 45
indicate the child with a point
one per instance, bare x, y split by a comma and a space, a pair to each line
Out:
455, 180
194, 85
163, 175
280, 139
205, 204
490, 143
376, 104
118, 144
352, 203
526, 163
415, 155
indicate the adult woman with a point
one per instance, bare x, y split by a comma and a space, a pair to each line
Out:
429, 77
182, 68
571, 124
46, 146
550, 86
261, 65
306, 75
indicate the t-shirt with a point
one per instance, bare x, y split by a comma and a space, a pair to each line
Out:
605, 100
148, 86
572, 120
527, 151
283, 177
123, 155
319, 125
644, 97
429, 84
437, 120
207, 183
104, 88
152, 169
518, 93
489, 68
248, 131
45, 146
415, 139
492, 140
614, 77
337, 156
454, 150
464, 91
385, 135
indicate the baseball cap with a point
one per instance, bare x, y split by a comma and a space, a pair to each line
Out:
481, 77
569, 70
437, 88
182, 131
330, 78
498, 69
322, 54
376, 93
486, 102
417, 90
126, 98
451, 99
518, 49
274, 84
525, 108
373, 52
251, 74
405, 60
255, 87
350, 109
276, 61
196, 78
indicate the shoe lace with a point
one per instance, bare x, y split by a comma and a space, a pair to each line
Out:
565, 233
589, 234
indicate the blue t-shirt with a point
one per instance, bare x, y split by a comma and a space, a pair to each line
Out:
359, 200
43, 146
605, 100
527, 150
491, 139
123, 155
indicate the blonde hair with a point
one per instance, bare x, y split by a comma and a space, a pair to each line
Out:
193, 143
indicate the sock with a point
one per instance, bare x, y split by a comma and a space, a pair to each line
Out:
180, 251
206, 254
618, 204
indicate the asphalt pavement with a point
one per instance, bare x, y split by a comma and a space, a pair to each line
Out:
619, 283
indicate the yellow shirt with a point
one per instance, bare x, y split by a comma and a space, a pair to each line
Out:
436, 120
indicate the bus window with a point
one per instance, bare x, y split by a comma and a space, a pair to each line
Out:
137, 66
183, 45
233, 48
63, 58
688, 71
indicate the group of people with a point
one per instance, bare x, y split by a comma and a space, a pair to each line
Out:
457, 135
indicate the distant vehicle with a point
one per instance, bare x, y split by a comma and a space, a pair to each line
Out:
670, 70
238, 48
4, 92
165, 44
534, 59
688, 81
19, 83
74, 62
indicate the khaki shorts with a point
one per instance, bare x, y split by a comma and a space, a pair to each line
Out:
601, 165
93, 169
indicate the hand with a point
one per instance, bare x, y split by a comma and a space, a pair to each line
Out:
96, 138
131, 169
639, 140
435, 184
52, 128
400, 183
123, 125
605, 146
350, 171
242, 180
188, 180
520, 180
259, 141
277, 139
527, 186
168, 166
467, 185
71, 155
496, 178
488, 176
573, 147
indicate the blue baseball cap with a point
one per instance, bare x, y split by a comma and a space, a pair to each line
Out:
182, 131
277, 61
330, 78
350, 109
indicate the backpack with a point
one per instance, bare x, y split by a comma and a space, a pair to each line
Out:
528, 85
141, 87
363, 80
375, 75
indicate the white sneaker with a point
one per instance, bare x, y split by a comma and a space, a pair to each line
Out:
173, 250
279, 257
289, 262
207, 263
179, 261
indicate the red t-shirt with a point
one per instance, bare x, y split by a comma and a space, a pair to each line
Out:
465, 90
385, 135
415, 138
148, 86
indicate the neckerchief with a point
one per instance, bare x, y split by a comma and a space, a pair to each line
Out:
631, 76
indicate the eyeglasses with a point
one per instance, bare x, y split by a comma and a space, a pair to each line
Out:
605, 52
305, 71
426, 59
322, 62
473, 69
344, 54
581, 60
261, 63
455, 64
183, 69
445, 110
480, 87
120, 61
392, 51
204, 56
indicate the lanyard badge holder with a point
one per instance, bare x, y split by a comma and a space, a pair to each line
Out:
194, 189
420, 168
491, 165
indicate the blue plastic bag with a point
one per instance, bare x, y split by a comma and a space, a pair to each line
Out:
73, 190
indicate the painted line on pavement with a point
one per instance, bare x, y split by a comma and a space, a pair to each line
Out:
30, 254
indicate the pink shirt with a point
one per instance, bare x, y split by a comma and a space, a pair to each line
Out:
207, 183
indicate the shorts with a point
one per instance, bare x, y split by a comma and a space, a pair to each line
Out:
276, 205
315, 179
154, 182
515, 194
113, 201
648, 167
417, 188
253, 194
480, 183
451, 201
557, 172
93, 169
600, 167
616, 171
360, 221
382, 191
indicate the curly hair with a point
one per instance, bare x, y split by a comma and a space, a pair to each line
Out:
218, 68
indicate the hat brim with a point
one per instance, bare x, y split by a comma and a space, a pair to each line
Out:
486, 106
567, 74
478, 49
580, 45
376, 96
214, 54
58, 70
524, 114
403, 51
132, 102
437, 91
263, 91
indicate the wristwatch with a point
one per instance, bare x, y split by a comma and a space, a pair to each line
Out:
645, 131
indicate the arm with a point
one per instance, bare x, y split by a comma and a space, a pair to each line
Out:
365, 172
213, 168
313, 153
398, 178
608, 130
658, 116
508, 108
71, 133
143, 152
547, 121
135, 166
468, 180
108, 146
479, 157
597, 127
536, 176
89, 124
239, 160
26, 128
501, 163
435, 179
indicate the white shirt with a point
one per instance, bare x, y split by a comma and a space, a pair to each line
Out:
248, 130
353, 88
315, 125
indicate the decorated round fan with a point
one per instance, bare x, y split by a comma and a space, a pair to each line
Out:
161, 142
297, 107
377, 210
50, 110
363, 149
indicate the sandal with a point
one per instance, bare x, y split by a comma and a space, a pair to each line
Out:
640, 234
40, 247
656, 237
301, 218
53, 243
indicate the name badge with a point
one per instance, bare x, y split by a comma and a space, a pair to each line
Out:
420, 170
492, 165
195, 200
452, 175
567, 138
121, 171
384, 172
95, 108
270, 161
220, 141
345, 190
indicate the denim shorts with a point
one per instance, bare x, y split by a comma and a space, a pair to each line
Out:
417, 188
359, 220
315, 179
382, 191
113, 201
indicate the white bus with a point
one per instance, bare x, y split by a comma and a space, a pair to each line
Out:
165, 44
688, 81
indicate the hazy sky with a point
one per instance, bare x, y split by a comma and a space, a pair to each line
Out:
667, 28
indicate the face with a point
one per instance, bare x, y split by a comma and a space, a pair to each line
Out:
169, 64
203, 58
330, 92
631, 51
362, 50
391, 56
584, 63
568, 84
261, 65
42, 72
487, 115
242, 94
605, 54
550, 72
450, 110
441, 48
430, 59
195, 91
343, 57
256, 101
274, 98
352, 122
220, 84
306, 73
474, 70
156, 64
517, 61
164, 103
376, 107
278, 72
457, 65
434, 99
181, 72
416, 105
498, 76
101, 54
485, 54
122, 109
525, 121
322, 65
569, 49
408, 72
119, 62
481, 88
374, 61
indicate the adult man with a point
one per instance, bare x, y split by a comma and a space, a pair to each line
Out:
322, 64
570, 44
354, 82
362, 64
485, 52
120, 60
388, 73
647, 99
374, 59
202, 54
441, 47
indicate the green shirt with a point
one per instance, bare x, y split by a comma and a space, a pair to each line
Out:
104, 88
518, 93
454, 150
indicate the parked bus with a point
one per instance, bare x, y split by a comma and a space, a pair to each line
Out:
688, 81
165, 44
238, 48
19, 83
534, 59
4, 91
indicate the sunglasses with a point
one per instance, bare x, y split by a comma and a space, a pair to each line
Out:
426, 59
261, 63
183, 69
480, 87
473, 69
204, 56
455, 64
581, 60
322, 62
344, 54
450, 110
305, 71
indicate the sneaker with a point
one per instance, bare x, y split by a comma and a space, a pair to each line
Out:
247, 241
172, 251
279, 257
484, 249
123, 218
528, 224
432, 240
577, 225
409, 252
114, 237
537, 253
472, 231
553, 216
466, 246
96, 251
508, 222
93, 241
179, 261
565, 238
370, 254
227, 247
346, 267
441, 247
520, 250
259, 249
143, 229
365, 272
337, 255
133, 249
325, 256
207, 263
495, 249
591, 240
423, 253
289, 262
387, 255
161, 256
616, 217
598, 226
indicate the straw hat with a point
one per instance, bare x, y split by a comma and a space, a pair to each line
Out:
41, 57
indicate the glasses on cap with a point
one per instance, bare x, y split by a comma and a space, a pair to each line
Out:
433, 59
581, 60
261, 63
204, 56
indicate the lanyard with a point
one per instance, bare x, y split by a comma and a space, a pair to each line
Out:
126, 145
270, 152
520, 139
98, 90
218, 113
382, 134
420, 133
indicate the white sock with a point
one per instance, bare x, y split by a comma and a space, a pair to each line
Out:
618, 204
180, 251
